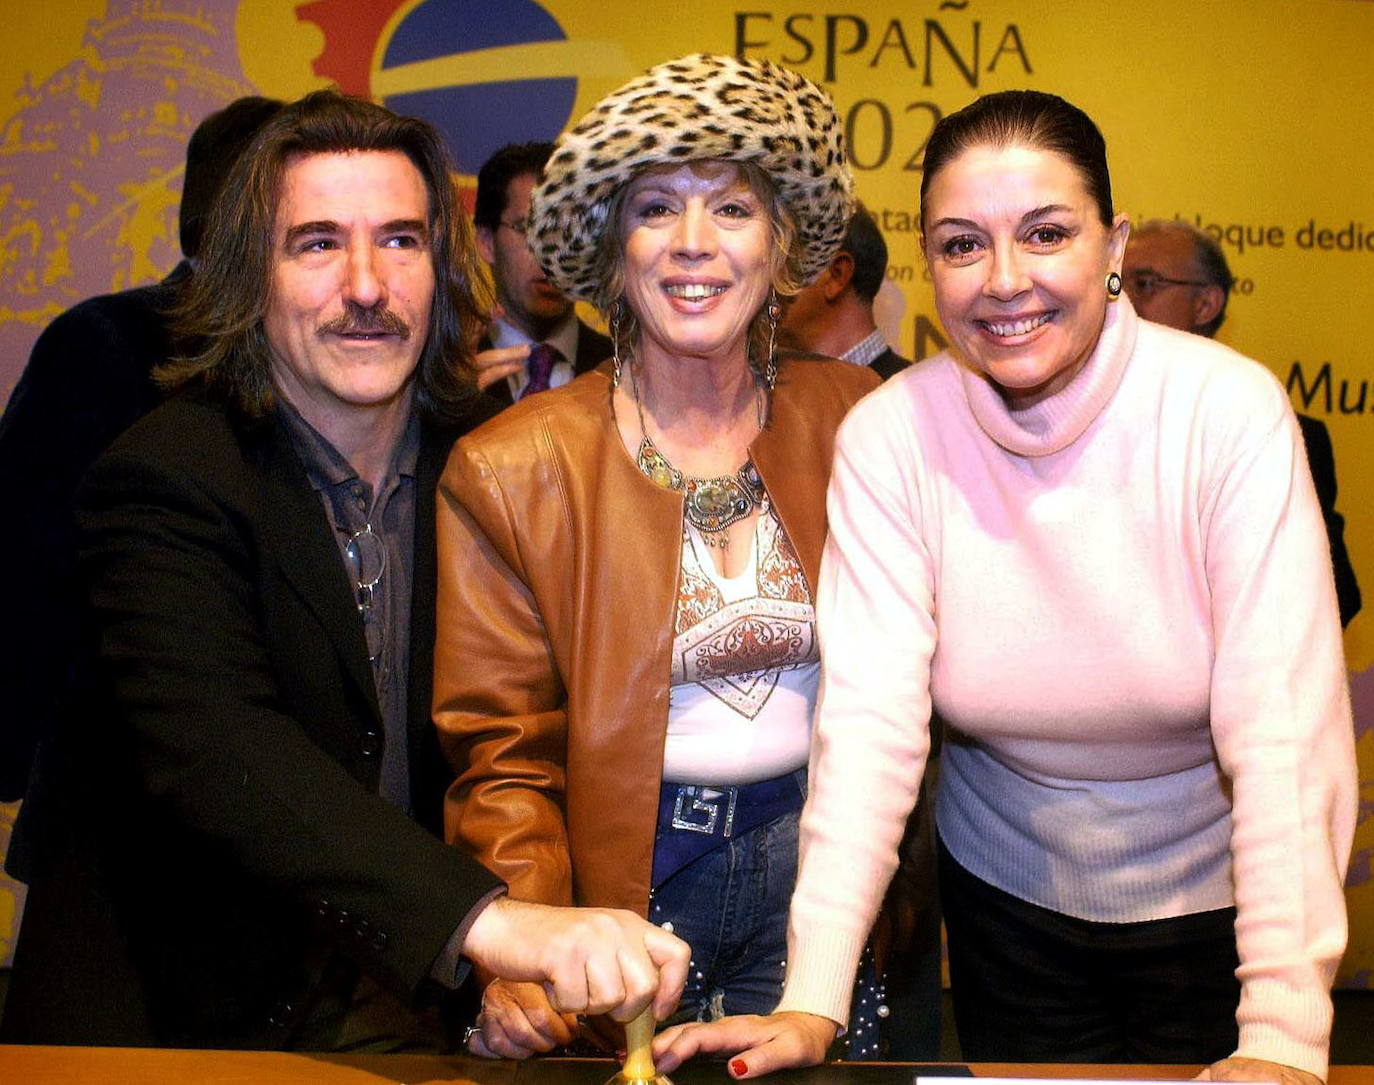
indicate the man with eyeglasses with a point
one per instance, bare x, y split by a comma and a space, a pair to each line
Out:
239, 844
535, 341
1177, 275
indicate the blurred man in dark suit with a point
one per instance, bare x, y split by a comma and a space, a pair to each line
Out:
88, 379
535, 340
1177, 275
834, 315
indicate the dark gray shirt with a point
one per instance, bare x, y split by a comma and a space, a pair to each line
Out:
374, 524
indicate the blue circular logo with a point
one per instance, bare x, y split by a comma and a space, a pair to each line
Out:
483, 72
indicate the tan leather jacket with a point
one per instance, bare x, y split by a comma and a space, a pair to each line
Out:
558, 568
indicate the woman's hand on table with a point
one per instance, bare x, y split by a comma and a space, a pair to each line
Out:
760, 1045
517, 1020
1240, 1068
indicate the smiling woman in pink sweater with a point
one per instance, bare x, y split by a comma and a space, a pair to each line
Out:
1091, 547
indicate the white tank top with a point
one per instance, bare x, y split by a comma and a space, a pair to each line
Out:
746, 664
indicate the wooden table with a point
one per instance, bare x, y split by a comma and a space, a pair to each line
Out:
135, 1066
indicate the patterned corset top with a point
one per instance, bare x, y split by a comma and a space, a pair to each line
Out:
733, 637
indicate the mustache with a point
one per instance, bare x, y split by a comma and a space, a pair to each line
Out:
355, 320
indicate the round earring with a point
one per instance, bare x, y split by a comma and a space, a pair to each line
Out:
1113, 285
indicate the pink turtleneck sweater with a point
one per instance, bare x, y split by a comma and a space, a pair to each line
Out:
1120, 601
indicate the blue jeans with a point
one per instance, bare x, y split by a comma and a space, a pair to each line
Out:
730, 906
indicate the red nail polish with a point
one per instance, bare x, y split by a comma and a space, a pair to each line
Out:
738, 1068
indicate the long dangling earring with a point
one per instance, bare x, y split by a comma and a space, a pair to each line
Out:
616, 313
1113, 285
770, 368
767, 374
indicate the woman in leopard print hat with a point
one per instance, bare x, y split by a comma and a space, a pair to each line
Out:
633, 556
696, 109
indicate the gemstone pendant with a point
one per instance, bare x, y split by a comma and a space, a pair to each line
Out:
713, 499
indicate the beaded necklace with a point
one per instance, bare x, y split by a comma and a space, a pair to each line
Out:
711, 505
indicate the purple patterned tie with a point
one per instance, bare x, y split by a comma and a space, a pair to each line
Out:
542, 359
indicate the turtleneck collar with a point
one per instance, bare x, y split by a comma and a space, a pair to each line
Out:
1058, 420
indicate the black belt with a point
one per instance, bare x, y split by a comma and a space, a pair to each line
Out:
694, 819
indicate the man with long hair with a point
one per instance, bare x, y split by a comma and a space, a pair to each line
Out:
239, 845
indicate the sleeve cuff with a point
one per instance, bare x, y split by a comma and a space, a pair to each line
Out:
1287, 1026
820, 972
450, 969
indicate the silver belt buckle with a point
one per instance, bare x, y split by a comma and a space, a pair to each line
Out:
697, 809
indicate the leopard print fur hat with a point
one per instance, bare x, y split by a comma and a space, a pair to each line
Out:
696, 107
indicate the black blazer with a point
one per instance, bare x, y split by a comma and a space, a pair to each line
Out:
593, 348
888, 364
210, 849
88, 379
1322, 460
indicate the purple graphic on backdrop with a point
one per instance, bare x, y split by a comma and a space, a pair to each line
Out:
91, 160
